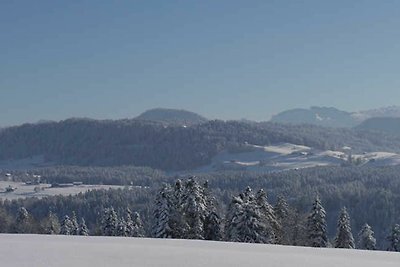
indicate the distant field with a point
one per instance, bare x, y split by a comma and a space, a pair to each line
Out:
39, 251
23, 191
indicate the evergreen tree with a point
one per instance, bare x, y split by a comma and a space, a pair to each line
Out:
161, 228
83, 230
67, 227
51, 225
394, 238
212, 222
177, 219
129, 223
195, 209
366, 239
137, 229
122, 229
212, 227
285, 221
344, 237
75, 224
268, 218
316, 225
109, 222
247, 219
23, 221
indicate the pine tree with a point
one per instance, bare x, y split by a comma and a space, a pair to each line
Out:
344, 237
122, 229
212, 227
268, 217
195, 209
366, 239
51, 224
137, 229
161, 228
394, 239
83, 230
109, 222
316, 225
248, 220
67, 227
177, 220
212, 222
23, 221
75, 225
283, 217
129, 223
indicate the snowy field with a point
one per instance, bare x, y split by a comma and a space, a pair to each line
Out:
286, 156
23, 191
39, 251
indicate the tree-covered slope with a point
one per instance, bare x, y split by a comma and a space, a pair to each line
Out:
142, 143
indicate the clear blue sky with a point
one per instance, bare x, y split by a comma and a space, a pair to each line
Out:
223, 59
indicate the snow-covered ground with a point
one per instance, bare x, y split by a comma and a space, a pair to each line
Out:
39, 251
23, 191
285, 156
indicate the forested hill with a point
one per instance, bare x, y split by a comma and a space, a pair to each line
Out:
172, 116
88, 142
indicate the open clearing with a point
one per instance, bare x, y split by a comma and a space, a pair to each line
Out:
23, 191
40, 250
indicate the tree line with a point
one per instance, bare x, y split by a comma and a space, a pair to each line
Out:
190, 210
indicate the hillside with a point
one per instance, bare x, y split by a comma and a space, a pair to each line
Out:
332, 117
172, 116
322, 116
87, 142
23, 250
384, 124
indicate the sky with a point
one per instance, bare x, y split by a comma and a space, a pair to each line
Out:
224, 59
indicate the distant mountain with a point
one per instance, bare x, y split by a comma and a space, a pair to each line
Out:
332, 117
385, 124
392, 112
322, 116
172, 116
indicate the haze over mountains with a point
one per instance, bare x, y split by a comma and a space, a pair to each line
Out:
332, 117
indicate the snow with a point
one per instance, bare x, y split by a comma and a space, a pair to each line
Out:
24, 191
286, 156
285, 148
38, 251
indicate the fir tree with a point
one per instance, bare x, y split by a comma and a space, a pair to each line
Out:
137, 226
283, 217
109, 222
75, 225
195, 209
83, 230
129, 223
212, 227
51, 224
268, 217
122, 229
177, 219
344, 237
394, 238
23, 221
247, 219
316, 225
67, 227
212, 222
366, 239
161, 228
